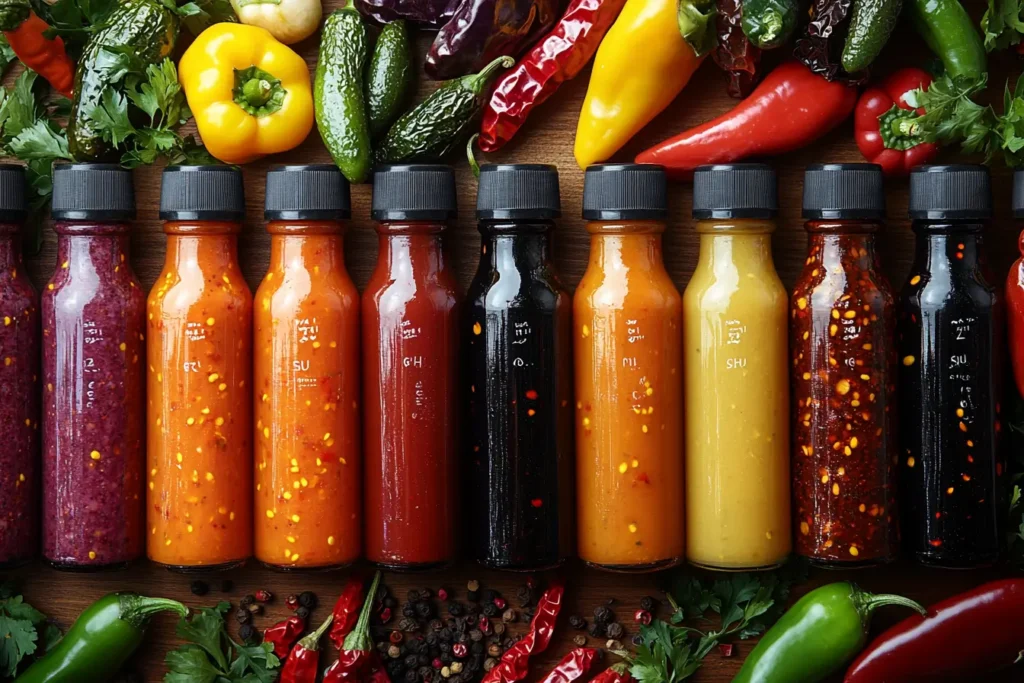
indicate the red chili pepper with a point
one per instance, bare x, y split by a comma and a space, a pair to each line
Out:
573, 666
962, 638
303, 661
346, 610
357, 656
515, 662
45, 56
556, 58
283, 635
616, 673
791, 108
877, 120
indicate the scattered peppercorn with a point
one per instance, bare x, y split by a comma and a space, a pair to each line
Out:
642, 616
246, 601
394, 652
302, 612
247, 633
456, 667
648, 603
596, 630
603, 615
490, 663
579, 639
613, 645
291, 602
455, 609
308, 600
460, 650
442, 594
385, 615
614, 630
407, 624
255, 609
243, 616
395, 637
577, 622
426, 594
199, 587
638, 639
490, 609
524, 596
494, 650
263, 595
413, 595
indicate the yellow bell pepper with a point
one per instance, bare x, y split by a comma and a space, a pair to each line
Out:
642, 65
250, 94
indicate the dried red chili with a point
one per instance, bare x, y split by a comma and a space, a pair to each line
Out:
573, 666
556, 58
515, 662
303, 661
822, 43
735, 54
616, 673
357, 656
346, 610
283, 635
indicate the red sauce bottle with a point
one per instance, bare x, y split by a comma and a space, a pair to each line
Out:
410, 335
1015, 291
842, 327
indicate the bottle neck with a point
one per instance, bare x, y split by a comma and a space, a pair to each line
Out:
516, 246
743, 245
948, 246
310, 246
843, 244
88, 248
621, 246
408, 250
10, 246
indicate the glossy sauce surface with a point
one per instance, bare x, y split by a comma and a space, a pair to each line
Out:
737, 401
200, 401
950, 337
307, 404
410, 346
627, 334
518, 446
842, 328
94, 348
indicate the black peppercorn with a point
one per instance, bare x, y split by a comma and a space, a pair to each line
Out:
476, 635
425, 672
431, 639
407, 624
411, 676
243, 616
308, 600
577, 622
424, 610
473, 609
422, 659
413, 595
648, 603
596, 630
199, 587
247, 600
614, 630
247, 633
444, 646
302, 613
490, 609
426, 594
455, 609
409, 610
411, 661
477, 648
524, 596
489, 595
603, 615
382, 646
445, 635
436, 625
446, 657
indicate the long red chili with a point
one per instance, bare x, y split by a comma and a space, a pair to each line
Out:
283, 635
573, 666
616, 673
45, 56
303, 661
346, 610
791, 108
357, 656
962, 638
556, 58
514, 664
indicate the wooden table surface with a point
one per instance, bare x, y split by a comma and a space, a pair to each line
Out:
548, 138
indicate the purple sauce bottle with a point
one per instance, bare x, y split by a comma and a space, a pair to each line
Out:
94, 378
19, 381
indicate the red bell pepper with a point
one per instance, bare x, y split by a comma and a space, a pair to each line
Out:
877, 120
962, 638
792, 107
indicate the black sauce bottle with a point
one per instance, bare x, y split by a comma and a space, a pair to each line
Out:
519, 442
950, 338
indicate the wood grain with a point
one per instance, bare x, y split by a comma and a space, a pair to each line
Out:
548, 138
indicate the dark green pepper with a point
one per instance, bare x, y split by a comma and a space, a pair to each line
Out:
816, 636
338, 92
769, 23
951, 35
100, 641
389, 79
442, 122
871, 25
13, 13
147, 30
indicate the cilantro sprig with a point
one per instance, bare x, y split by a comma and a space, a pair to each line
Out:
24, 632
737, 607
1001, 24
210, 655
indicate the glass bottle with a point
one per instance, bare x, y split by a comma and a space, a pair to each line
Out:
950, 337
307, 464
410, 347
93, 315
19, 381
1015, 291
737, 385
842, 342
517, 340
200, 371
627, 334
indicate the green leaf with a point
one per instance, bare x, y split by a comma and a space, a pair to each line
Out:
255, 660
7, 55
20, 107
110, 117
696, 19
189, 664
206, 629
1001, 25
40, 142
17, 641
199, 15
17, 608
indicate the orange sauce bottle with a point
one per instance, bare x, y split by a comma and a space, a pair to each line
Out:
627, 332
307, 411
199, 319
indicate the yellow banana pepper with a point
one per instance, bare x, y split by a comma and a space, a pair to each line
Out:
250, 94
642, 64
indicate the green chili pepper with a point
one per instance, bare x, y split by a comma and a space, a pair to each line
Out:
817, 636
100, 640
952, 36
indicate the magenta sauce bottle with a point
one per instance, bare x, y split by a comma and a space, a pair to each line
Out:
19, 382
93, 312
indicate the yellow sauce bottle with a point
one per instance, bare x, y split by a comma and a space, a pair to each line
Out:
737, 384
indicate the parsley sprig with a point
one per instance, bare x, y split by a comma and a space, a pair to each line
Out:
24, 632
210, 655
1001, 24
737, 607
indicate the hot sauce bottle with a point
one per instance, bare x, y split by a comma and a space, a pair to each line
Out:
517, 339
306, 378
410, 360
200, 378
842, 329
627, 334
736, 376
93, 313
950, 336
19, 381
1015, 291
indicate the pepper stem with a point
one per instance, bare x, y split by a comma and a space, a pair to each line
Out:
137, 610
473, 165
476, 82
869, 602
312, 640
359, 638
256, 91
